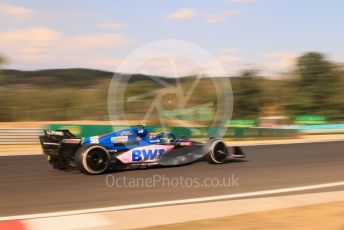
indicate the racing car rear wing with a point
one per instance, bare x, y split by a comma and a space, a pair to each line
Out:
59, 143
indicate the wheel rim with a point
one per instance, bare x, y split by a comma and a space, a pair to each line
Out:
220, 152
97, 160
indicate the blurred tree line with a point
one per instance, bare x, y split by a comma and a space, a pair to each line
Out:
314, 87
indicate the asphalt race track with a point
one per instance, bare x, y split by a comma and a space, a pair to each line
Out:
28, 184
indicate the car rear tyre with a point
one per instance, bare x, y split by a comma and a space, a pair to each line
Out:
92, 159
218, 152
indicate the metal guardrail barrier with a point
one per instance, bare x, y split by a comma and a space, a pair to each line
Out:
9, 136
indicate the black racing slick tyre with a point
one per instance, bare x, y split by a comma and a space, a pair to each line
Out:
218, 152
92, 159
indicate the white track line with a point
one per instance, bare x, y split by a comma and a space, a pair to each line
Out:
173, 202
90, 221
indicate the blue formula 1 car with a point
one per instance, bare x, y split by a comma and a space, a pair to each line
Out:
129, 148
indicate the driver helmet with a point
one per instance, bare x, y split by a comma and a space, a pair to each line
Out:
141, 131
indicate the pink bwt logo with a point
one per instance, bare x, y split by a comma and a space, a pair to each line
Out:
146, 154
150, 153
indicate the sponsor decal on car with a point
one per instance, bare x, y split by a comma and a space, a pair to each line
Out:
151, 135
126, 133
119, 139
53, 132
146, 154
149, 153
155, 141
186, 143
94, 140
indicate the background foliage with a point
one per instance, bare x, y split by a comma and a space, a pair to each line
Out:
314, 87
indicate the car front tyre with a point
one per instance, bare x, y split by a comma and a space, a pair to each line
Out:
218, 152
